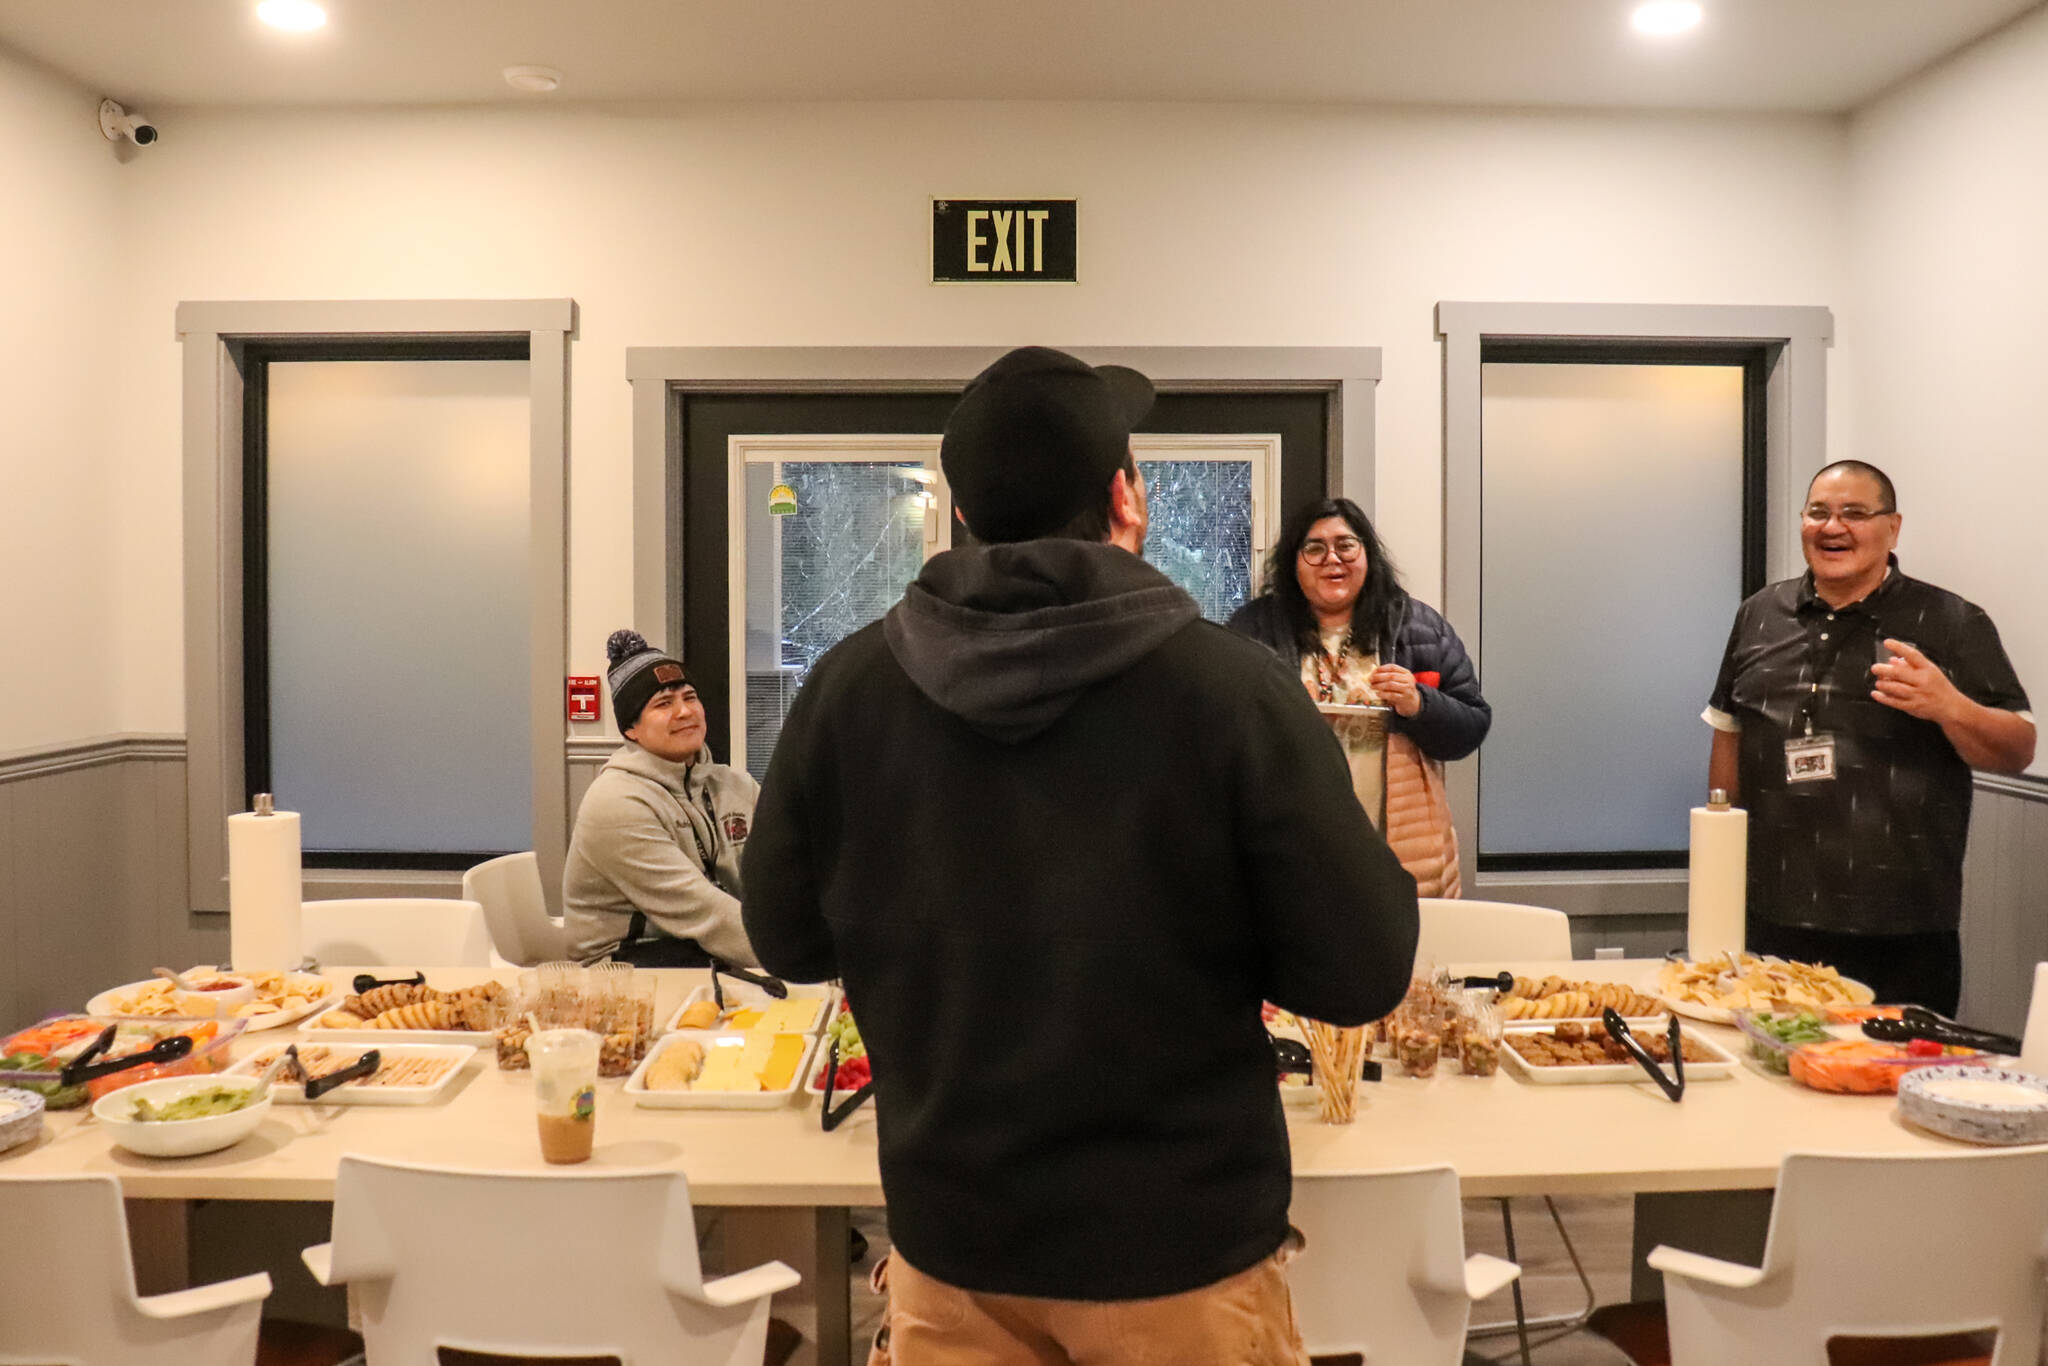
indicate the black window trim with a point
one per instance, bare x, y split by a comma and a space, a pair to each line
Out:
1754, 358
255, 359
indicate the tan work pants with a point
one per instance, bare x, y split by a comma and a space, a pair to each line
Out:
1242, 1320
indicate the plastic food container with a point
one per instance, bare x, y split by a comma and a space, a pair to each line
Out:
31, 1058
1867, 1067
1772, 1053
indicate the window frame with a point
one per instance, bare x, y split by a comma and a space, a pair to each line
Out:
664, 377
1793, 342
839, 448
257, 358
217, 339
1753, 359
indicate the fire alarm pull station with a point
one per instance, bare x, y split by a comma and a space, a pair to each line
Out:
583, 699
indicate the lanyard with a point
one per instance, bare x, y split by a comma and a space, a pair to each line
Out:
1330, 668
1821, 656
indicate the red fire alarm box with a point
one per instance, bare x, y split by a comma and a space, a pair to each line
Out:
583, 699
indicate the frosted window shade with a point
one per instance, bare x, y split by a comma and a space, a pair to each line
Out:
1612, 567
1201, 529
400, 667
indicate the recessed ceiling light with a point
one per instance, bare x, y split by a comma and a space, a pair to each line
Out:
534, 80
1662, 18
300, 16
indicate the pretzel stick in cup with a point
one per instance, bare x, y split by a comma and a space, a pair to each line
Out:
1336, 1054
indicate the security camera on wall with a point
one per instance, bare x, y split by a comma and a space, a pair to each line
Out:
117, 123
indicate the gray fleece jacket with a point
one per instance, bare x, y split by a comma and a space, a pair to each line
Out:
646, 834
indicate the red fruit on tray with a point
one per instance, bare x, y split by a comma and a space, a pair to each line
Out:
1923, 1048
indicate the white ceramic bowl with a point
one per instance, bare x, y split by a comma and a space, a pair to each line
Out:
221, 1004
177, 1137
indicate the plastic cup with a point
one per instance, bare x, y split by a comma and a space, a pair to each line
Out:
565, 1092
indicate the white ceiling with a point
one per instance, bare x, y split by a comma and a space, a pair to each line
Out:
1803, 55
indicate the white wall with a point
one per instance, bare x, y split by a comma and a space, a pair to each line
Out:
1948, 195
808, 225
59, 212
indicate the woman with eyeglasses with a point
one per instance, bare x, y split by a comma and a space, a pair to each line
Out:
1334, 605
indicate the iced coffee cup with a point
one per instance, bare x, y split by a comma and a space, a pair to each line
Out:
565, 1091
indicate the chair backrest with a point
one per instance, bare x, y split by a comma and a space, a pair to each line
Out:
1459, 931
1383, 1272
411, 932
1902, 1245
538, 1264
2034, 1044
516, 909
67, 1284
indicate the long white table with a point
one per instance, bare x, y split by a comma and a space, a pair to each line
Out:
1503, 1135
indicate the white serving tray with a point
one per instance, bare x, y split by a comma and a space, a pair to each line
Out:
1723, 1064
327, 996
742, 995
464, 1038
636, 1085
350, 1093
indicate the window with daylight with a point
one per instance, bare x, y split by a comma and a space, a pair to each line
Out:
827, 537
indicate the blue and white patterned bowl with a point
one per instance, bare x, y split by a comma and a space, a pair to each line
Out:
21, 1117
1977, 1104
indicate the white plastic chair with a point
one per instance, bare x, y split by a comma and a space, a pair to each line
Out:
2034, 1043
67, 1287
1874, 1247
1385, 1271
1491, 932
412, 932
537, 1264
516, 910
1485, 934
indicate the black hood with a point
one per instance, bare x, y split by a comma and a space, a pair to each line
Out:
1007, 637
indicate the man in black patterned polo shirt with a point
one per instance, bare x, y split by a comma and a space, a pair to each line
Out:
1852, 704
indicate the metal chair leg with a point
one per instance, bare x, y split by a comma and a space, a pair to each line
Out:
1563, 1324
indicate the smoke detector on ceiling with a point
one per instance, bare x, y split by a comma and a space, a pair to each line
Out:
534, 80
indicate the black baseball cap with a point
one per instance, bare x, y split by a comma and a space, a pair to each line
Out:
1036, 437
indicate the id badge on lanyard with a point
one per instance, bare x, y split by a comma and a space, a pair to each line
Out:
1810, 758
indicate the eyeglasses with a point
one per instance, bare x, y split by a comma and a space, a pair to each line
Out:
1346, 548
1820, 514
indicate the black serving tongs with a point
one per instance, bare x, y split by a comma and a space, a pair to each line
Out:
774, 987
828, 1116
1502, 982
316, 1087
1618, 1030
1291, 1055
82, 1069
370, 981
1918, 1022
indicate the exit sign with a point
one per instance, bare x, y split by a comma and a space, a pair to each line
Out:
977, 241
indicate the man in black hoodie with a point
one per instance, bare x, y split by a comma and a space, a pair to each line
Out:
1060, 837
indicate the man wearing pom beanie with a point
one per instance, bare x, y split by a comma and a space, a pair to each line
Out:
1060, 836
653, 873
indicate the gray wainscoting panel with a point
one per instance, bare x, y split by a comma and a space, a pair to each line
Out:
73, 937
11, 1009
